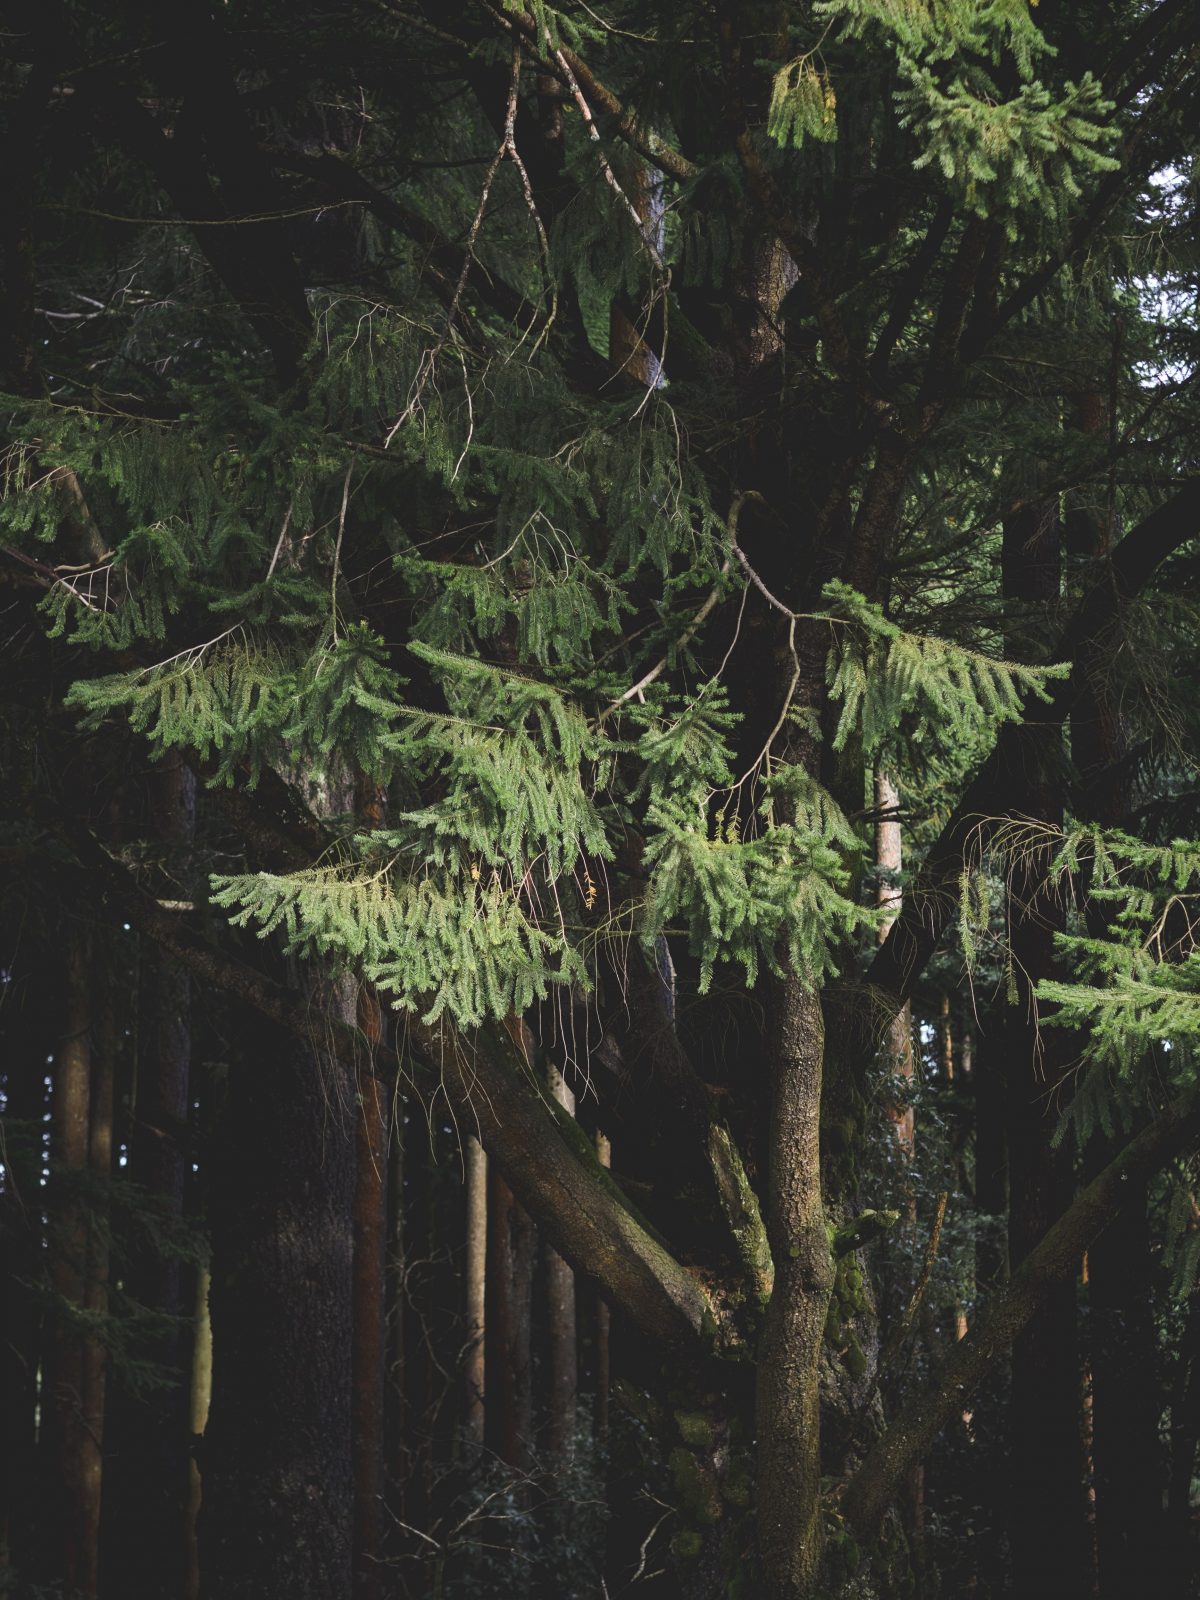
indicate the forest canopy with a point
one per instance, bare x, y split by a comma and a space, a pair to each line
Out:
600, 835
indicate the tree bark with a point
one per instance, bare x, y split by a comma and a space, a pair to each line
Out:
1047, 1509
144, 1533
370, 1352
277, 1515
63, 1433
1126, 1402
475, 1274
563, 1384
788, 1397
26, 1035
511, 1244
200, 1399
603, 1326
95, 1357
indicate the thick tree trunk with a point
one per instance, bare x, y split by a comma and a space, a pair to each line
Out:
788, 1400
1047, 1509
1127, 1455
144, 1534
277, 1514
475, 1275
511, 1248
1126, 1403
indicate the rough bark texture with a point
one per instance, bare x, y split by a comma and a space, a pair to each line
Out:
475, 1273
511, 1246
911, 1435
788, 1399
277, 1472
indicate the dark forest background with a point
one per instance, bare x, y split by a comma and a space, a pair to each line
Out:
599, 836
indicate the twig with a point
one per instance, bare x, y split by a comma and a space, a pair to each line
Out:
337, 549
507, 147
610, 176
685, 638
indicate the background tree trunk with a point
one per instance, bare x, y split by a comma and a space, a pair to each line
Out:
475, 1275
63, 1431
277, 1513
370, 1350
511, 1247
145, 1537
1049, 1539
95, 1357
563, 1376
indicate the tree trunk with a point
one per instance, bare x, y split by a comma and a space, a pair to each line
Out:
1126, 1403
511, 1245
26, 1036
1185, 1436
277, 1516
395, 1420
889, 858
788, 1399
95, 1357
370, 1350
560, 1319
1047, 1526
603, 1325
475, 1272
145, 1535
200, 1400
63, 1433
1128, 1458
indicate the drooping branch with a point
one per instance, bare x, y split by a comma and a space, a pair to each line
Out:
909, 1438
